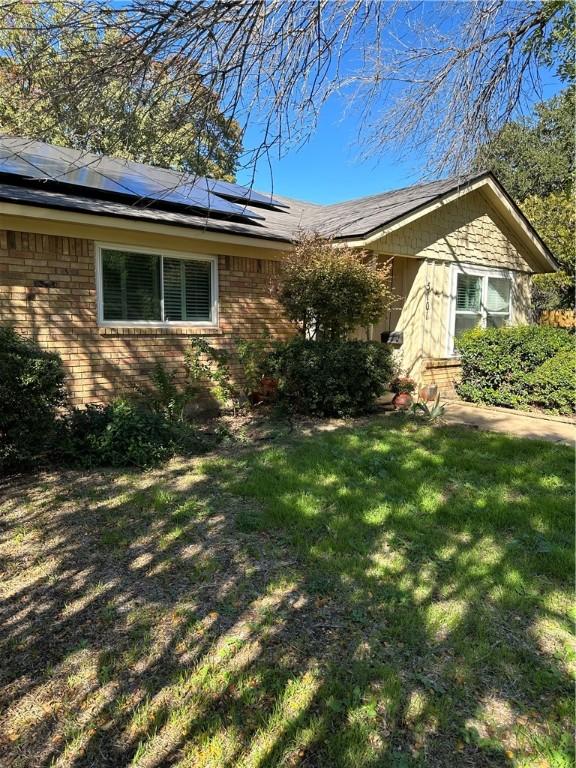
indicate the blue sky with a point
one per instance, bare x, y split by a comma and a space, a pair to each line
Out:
328, 167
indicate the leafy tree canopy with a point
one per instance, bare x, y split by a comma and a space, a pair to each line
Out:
554, 217
535, 156
51, 69
534, 159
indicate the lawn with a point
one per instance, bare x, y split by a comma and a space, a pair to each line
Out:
375, 595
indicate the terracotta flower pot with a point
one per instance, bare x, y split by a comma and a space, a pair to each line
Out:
428, 393
266, 393
402, 401
268, 386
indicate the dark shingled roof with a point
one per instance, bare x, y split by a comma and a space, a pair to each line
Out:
351, 219
267, 217
357, 218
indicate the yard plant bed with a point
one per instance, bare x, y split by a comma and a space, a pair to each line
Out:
377, 595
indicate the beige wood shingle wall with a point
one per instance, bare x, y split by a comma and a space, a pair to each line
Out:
465, 231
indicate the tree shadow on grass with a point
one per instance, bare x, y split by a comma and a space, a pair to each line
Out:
358, 598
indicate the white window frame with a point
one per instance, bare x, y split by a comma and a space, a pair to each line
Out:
483, 272
213, 322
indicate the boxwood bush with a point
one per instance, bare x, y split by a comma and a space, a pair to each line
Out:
518, 367
330, 378
31, 392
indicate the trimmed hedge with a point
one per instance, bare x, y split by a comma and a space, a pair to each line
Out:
552, 386
31, 391
519, 367
330, 378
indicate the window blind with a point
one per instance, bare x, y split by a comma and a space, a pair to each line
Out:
136, 286
174, 295
198, 290
131, 286
481, 301
498, 295
468, 293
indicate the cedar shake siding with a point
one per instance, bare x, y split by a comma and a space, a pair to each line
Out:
48, 292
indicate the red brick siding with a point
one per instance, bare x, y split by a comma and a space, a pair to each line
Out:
102, 362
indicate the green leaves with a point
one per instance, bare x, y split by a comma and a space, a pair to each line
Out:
330, 291
534, 156
331, 378
534, 160
66, 84
554, 217
32, 388
519, 367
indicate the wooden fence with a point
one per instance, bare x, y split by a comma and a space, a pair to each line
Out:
561, 318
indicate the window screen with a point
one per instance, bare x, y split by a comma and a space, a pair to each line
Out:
497, 302
468, 303
140, 287
468, 293
481, 300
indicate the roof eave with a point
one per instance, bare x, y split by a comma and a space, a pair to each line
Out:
484, 179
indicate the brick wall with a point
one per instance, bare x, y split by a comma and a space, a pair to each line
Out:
102, 362
444, 373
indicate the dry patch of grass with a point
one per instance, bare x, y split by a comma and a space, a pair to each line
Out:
369, 596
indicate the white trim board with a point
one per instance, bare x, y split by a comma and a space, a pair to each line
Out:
472, 269
133, 225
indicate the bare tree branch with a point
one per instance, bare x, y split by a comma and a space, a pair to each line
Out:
436, 77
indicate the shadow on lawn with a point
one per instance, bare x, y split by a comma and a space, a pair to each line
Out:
374, 601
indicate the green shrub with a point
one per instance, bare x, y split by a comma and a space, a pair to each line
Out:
170, 393
116, 435
329, 290
31, 391
330, 378
165, 394
497, 363
253, 357
552, 385
207, 366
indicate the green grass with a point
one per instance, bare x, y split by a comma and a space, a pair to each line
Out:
371, 596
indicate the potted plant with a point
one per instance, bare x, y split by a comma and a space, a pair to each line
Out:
402, 386
428, 393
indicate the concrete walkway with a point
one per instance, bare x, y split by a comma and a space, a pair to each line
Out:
557, 429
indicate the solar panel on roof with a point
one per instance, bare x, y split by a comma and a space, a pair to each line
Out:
35, 160
170, 186
49, 166
17, 166
226, 189
237, 192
